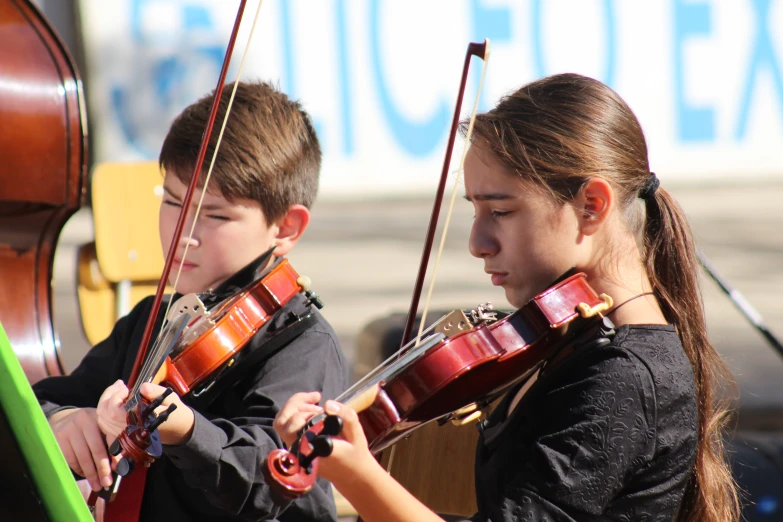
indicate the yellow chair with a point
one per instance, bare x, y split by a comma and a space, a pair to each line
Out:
124, 263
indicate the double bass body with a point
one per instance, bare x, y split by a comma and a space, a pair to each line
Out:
43, 176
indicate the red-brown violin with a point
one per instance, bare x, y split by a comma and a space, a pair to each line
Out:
463, 363
214, 339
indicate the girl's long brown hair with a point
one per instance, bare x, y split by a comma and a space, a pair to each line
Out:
562, 130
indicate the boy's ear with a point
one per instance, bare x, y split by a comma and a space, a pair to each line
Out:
290, 228
593, 204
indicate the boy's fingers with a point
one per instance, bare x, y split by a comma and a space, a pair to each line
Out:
152, 391
85, 459
70, 456
100, 456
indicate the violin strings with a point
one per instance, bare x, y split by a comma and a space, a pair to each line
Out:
453, 195
217, 147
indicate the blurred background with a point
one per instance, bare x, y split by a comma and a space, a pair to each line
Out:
380, 78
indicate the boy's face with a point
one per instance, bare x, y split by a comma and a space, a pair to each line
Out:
227, 236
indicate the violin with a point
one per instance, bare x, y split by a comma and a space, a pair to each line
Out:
215, 338
462, 364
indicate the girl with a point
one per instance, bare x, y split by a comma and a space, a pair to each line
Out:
559, 178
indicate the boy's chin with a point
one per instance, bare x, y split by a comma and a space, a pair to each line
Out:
188, 287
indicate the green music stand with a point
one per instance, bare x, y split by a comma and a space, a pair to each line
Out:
36, 483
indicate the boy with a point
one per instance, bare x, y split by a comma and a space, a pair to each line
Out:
264, 181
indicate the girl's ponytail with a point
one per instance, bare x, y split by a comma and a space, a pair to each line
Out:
673, 268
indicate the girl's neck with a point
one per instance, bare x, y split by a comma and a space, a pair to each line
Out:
625, 281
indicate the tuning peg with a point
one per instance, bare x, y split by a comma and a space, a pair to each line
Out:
157, 402
321, 446
125, 466
115, 448
333, 425
161, 418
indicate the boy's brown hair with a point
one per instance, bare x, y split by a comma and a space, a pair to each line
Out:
269, 152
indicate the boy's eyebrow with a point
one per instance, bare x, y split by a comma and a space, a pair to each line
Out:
203, 207
488, 197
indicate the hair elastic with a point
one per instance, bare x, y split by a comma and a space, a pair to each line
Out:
650, 186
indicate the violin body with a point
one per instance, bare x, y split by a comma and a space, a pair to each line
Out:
474, 366
237, 320
42, 177
452, 378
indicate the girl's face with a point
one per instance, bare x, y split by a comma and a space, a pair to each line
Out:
526, 239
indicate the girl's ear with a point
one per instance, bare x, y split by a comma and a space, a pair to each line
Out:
593, 204
290, 228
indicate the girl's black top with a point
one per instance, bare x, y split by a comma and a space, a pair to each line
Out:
610, 433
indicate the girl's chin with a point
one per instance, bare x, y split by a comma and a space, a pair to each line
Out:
518, 297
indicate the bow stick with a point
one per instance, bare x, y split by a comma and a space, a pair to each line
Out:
481, 50
143, 348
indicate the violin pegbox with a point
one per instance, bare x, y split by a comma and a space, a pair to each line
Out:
484, 314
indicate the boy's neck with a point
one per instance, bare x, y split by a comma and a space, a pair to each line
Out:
244, 276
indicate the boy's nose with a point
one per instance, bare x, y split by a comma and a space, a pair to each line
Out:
187, 241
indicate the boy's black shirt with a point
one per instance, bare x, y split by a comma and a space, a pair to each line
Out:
216, 475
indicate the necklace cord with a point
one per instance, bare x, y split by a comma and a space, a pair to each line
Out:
613, 310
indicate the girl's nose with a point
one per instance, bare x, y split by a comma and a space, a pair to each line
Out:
481, 244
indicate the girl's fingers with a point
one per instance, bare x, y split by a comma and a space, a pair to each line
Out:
352, 429
307, 402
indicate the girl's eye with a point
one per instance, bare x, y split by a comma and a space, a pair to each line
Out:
171, 203
499, 213
219, 218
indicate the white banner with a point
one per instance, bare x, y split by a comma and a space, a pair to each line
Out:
380, 77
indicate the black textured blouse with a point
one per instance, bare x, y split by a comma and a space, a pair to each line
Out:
608, 434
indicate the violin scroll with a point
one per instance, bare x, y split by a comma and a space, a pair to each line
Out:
138, 444
291, 474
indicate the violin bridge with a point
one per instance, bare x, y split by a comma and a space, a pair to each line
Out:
452, 323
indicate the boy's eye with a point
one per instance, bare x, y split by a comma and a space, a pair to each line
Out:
172, 203
219, 218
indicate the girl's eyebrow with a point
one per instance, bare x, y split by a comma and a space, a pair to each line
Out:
488, 197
